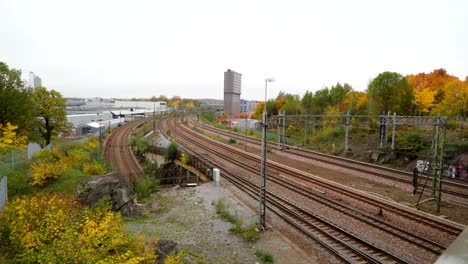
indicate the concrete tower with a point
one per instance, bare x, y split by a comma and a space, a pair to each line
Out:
232, 91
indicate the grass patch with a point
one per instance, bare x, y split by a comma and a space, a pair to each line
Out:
18, 182
68, 181
265, 256
249, 232
145, 186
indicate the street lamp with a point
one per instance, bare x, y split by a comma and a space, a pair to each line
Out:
264, 162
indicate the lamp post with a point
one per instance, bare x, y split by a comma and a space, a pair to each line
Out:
264, 162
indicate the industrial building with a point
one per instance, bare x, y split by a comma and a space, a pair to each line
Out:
248, 106
232, 91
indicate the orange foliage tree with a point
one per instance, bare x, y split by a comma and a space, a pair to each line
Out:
429, 89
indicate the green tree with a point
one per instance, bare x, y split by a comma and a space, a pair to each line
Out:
15, 100
307, 102
338, 93
172, 152
320, 101
293, 104
389, 91
50, 112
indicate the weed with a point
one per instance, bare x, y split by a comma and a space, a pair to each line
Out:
249, 233
265, 256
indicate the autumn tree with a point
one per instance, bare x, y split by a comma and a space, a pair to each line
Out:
429, 89
190, 105
15, 100
455, 101
356, 102
292, 105
9, 138
389, 91
259, 110
338, 94
50, 112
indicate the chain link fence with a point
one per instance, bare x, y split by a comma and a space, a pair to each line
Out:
3, 192
12, 159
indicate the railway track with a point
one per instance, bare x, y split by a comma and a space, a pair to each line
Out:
451, 187
118, 151
302, 219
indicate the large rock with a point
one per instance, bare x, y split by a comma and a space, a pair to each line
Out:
163, 249
110, 185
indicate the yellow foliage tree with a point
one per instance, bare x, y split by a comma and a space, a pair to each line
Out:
455, 101
175, 104
259, 110
9, 138
424, 100
190, 105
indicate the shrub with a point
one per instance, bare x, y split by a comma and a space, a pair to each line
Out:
266, 257
19, 181
185, 158
94, 168
145, 186
232, 141
251, 232
43, 173
53, 229
172, 152
140, 144
410, 142
150, 168
172, 259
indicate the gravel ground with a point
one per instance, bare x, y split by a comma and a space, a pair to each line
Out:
187, 216
392, 190
399, 247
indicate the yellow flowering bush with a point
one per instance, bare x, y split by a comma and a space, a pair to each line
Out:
94, 168
42, 173
49, 165
172, 259
48, 228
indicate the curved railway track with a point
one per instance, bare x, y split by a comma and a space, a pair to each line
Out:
451, 187
118, 151
342, 243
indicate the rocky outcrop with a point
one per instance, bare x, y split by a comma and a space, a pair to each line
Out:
163, 249
111, 185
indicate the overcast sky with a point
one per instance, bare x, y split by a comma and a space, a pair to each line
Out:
125, 49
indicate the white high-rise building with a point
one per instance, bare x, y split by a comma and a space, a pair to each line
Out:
34, 80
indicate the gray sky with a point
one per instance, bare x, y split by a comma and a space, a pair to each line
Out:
138, 48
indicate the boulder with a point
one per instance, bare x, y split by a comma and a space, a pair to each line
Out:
111, 185
164, 248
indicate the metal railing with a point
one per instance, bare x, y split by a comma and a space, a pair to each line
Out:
3, 192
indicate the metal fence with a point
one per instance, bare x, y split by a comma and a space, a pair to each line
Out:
3, 192
12, 159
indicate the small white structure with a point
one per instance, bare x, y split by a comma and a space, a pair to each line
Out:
216, 176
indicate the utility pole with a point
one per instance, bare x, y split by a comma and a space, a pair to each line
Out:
262, 224
100, 138
347, 119
154, 118
245, 128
